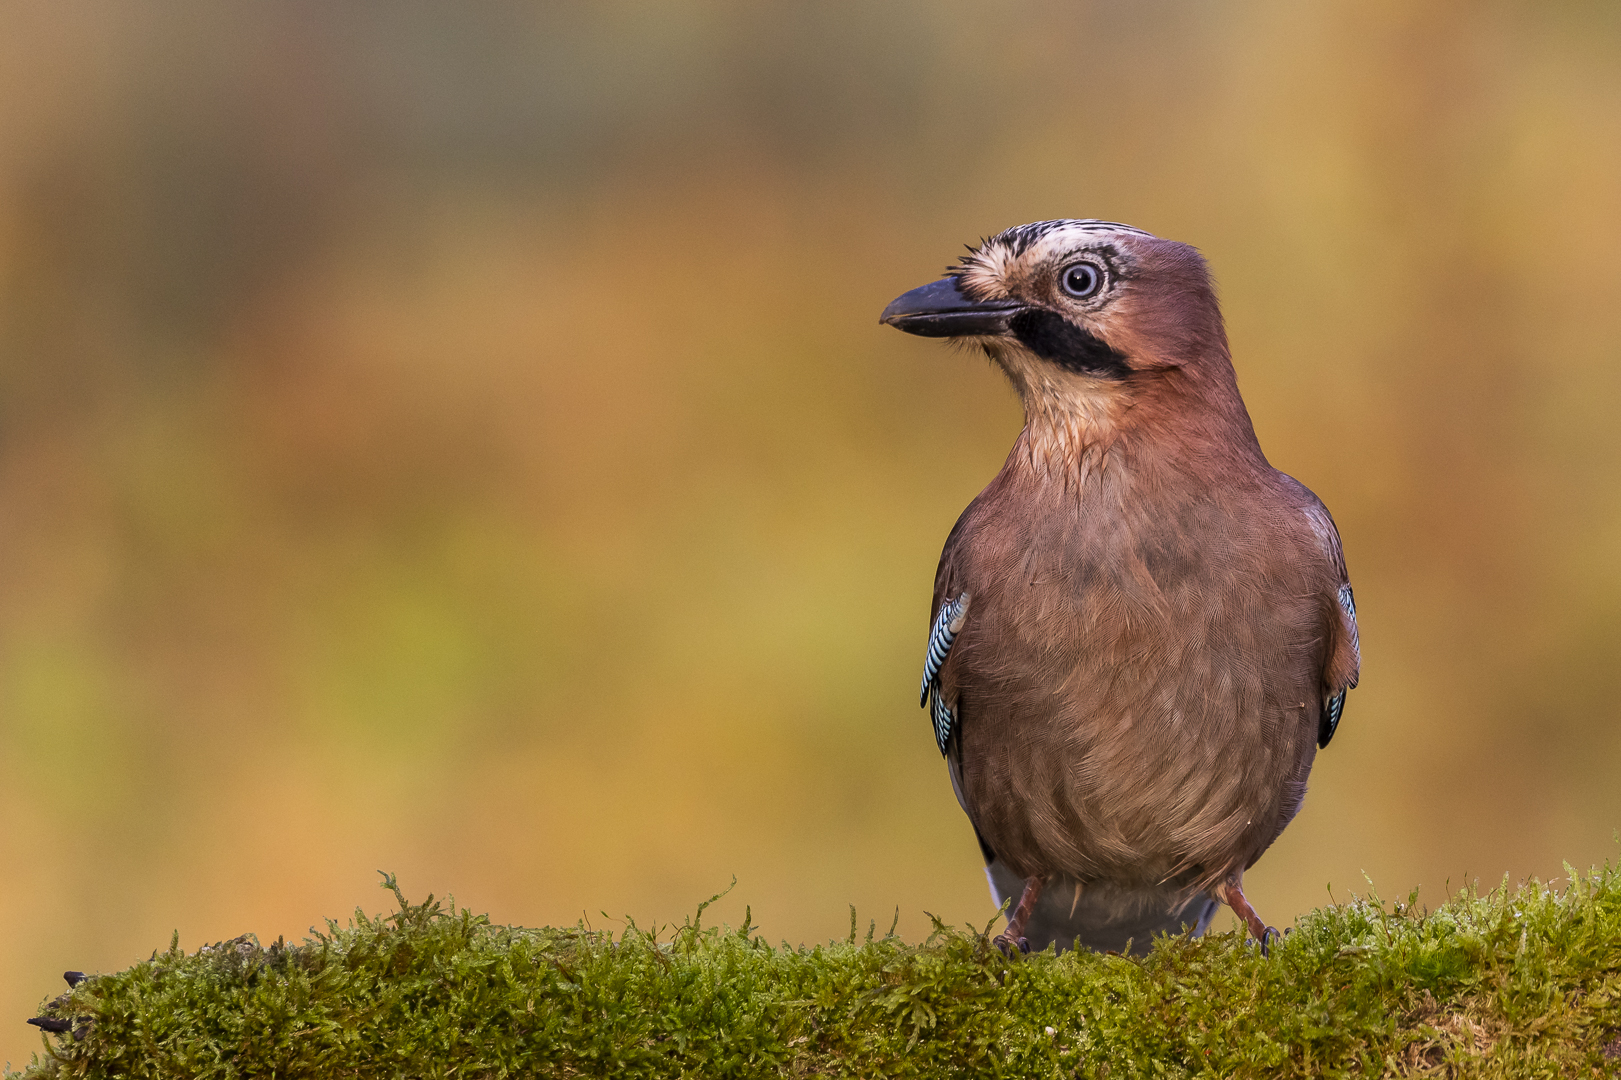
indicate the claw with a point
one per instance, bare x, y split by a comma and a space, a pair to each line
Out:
1007, 945
1267, 938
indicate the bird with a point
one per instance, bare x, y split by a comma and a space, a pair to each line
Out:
1141, 633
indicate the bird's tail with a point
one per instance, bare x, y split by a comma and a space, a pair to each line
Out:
1101, 916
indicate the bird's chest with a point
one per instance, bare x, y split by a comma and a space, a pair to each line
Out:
1113, 583
1111, 671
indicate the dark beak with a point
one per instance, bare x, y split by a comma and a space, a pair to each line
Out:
939, 309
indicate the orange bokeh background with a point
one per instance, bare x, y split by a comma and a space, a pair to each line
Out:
460, 442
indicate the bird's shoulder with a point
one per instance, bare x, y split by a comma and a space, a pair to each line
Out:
1302, 515
1343, 663
983, 532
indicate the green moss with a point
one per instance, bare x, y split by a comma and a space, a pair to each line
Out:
1516, 982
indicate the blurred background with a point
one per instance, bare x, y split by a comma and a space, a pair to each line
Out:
459, 440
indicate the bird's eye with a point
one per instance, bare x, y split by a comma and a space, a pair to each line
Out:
1081, 279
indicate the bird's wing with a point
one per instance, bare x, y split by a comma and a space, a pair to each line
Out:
948, 623
1343, 662
943, 717
1335, 706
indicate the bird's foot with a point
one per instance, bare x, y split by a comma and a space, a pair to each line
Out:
1007, 946
1014, 938
1231, 894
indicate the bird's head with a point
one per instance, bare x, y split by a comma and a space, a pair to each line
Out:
1088, 319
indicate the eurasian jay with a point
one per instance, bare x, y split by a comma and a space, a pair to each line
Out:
1141, 631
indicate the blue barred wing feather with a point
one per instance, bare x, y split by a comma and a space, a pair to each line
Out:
947, 625
1334, 707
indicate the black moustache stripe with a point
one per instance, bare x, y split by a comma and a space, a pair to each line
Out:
1052, 337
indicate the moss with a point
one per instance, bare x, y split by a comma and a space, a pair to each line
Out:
1516, 982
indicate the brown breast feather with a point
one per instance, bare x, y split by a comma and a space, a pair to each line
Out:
1139, 688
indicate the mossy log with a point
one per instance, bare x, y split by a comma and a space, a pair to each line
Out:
1514, 982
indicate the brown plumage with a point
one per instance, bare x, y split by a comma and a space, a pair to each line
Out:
1155, 629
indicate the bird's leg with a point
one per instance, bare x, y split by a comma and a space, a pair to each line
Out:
1013, 937
1230, 893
